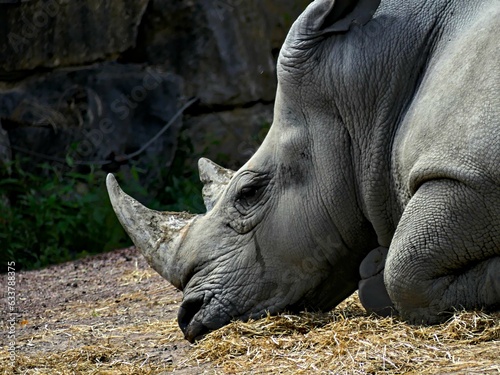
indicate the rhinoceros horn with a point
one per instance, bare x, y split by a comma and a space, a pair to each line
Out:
157, 235
214, 178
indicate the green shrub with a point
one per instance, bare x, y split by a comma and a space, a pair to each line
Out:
48, 216
181, 189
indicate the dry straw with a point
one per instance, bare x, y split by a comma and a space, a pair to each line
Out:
344, 341
348, 341
128, 327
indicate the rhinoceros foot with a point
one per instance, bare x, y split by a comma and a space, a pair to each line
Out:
371, 288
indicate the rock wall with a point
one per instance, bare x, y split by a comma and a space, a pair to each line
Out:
96, 80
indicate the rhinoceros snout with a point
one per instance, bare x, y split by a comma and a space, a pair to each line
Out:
192, 329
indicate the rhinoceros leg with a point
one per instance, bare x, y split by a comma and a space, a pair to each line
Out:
371, 288
445, 254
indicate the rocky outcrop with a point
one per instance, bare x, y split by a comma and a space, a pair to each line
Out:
222, 50
95, 81
55, 33
99, 113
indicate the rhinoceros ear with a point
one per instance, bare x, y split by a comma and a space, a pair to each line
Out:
214, 178
337, 16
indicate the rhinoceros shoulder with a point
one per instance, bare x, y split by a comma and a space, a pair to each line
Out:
451, 129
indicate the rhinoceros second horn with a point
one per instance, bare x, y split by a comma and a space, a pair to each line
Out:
156, 234
215, 179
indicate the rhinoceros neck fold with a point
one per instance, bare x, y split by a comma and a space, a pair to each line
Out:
157, 235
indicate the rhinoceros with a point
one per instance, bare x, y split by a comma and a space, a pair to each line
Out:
380, 172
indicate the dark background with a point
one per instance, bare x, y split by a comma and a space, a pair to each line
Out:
86, 86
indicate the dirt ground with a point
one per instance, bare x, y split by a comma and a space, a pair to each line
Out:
112, 314
104, 313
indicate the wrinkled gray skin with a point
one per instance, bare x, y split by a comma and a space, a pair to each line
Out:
382, 164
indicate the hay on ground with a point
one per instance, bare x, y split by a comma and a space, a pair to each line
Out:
113, 315
349, 341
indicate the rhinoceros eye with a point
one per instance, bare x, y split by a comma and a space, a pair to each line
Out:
247, 197
249, 194
250, 197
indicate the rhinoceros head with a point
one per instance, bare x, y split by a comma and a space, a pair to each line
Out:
279, 233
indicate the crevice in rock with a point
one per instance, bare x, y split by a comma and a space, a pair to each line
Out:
203, 109
19, 75
136, 54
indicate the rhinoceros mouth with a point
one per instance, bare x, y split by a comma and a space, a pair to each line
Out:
195, 320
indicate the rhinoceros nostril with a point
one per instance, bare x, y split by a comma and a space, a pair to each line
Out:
187, 311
